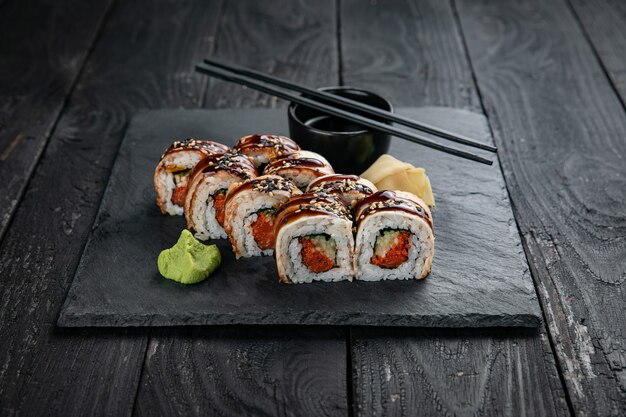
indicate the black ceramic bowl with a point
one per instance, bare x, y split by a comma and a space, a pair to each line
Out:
349, 147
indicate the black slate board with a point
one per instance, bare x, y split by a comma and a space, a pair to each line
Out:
479, 277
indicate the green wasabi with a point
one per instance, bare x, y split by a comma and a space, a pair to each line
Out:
189, 261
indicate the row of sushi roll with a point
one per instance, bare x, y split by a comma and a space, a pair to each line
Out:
267, 196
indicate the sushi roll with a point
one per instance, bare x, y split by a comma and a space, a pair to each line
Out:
314, 240
263, 148
172, 173
209, 181
250, 208
394, 237
350, 188
301, 167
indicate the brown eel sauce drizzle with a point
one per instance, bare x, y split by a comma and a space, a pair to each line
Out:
205, 146
265, 184
388, 201
280, 144
293, 161
339, 183
310, 204
232, 162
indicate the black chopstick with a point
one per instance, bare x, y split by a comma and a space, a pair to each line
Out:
374, 111
243, 80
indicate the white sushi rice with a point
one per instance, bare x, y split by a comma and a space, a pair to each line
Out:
421, 251
251, 248
164, 177
199, 209
288, 249
242, 213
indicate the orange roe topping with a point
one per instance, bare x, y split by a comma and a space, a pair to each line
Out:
263, 231
179, 194
218, 204
396, 254
315, 260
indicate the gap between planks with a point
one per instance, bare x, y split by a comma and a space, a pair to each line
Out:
562, 358
205, 87
470, 62
349, 364
596, 53
55, 122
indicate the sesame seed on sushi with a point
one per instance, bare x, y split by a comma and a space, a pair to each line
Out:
171, 175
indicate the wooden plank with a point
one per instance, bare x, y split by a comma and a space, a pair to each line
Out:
252, 371
409, 51
432, 372
560, 128
292, 40
267, 371
603, 24
144, 58
455, 372
39, 68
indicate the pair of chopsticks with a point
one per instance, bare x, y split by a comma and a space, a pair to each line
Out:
251, 78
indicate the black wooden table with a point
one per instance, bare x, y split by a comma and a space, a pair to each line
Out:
550, 77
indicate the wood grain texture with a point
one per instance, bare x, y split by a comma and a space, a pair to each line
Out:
436, 372
295, 40
431, 372
38, 69
604, 22
408, 51
251, 371
560, 128
144, 58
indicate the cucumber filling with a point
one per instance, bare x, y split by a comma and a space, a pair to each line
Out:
180, 184
181, 176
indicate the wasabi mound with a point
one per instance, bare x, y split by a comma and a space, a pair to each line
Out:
189, 261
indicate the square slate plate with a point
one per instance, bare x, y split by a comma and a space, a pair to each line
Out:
479, 276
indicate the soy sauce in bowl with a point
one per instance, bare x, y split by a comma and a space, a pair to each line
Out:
348, 146
333, 124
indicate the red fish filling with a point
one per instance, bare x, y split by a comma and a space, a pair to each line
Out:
318, 252
180, 192
219, 198
263, 229
391, 248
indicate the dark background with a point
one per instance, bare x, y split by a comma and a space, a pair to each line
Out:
549, 75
